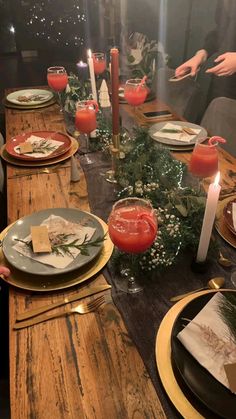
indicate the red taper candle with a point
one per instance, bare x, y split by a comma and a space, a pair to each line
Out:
115, 90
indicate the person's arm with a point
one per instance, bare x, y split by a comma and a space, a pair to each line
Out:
192, 65
226, 66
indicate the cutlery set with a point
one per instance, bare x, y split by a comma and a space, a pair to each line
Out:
35, 316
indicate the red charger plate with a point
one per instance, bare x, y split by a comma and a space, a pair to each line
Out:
21, 138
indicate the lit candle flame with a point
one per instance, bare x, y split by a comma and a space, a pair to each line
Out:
217, 179
89, 53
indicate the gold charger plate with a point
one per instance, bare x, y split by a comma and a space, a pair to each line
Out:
220, 224
8, 104
39, 283
163, 358
16, 162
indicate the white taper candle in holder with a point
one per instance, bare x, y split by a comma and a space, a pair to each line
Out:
209, 218
93, 83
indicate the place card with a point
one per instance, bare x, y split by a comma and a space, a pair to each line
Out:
230, 371
25, 147
40, 239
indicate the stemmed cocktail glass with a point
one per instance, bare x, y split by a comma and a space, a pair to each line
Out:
135, 92
204, 158
57, 80
132, 227
99, 62
85, 118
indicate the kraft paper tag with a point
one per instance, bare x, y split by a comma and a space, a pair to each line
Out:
40, 239
25, 148
230, 370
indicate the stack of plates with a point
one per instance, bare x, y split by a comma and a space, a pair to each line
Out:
224, 221
29, 99
30, 274
193, 390
67, 149
175, 145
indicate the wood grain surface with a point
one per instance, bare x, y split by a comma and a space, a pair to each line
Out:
73, 367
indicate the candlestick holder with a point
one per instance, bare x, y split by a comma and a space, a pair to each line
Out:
116, 141
200, 267
110, 174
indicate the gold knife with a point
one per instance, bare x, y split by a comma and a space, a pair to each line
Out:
81, 294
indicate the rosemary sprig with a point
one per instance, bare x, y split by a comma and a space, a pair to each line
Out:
60, 247
43, 147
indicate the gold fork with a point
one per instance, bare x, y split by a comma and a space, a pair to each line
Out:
81, 308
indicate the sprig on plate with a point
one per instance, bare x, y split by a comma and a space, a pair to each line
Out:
61, 247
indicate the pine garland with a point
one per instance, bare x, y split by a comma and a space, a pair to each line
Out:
227, 312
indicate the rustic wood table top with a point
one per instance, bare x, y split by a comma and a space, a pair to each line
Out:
74, 366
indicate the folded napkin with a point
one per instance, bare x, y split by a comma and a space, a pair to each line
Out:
43, 146
177, 136
234, 214
209, 340
58, 226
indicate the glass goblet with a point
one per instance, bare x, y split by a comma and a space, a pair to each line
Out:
132, 227
99, 62
135, 92
85, 118
57, 80
203, 162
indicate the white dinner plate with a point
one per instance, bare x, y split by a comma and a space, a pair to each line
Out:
35, 97
201, 136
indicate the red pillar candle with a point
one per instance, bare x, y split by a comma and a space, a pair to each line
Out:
115, 90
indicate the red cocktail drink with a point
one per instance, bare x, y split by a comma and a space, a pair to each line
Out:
57, 82
135, 96
85, 120
132, 229
136, 91
99, 62
204, 161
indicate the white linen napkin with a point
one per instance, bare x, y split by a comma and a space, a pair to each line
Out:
234, 215
58, 225
37, 141
208, 339
177, 136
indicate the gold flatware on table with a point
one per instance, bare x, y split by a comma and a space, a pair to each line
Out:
82, 308
81, 294
214, 283
32, 172
223, 261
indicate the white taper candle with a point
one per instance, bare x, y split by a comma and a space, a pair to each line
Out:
208, 220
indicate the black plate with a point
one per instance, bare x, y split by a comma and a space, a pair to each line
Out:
202, 384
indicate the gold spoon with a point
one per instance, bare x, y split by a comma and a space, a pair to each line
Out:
224, 261
214, 284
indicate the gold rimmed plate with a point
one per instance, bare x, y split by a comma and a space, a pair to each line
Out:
10, 105
14, 142
29, 97
17, 162
220, 223
185, 406
228, 215
52, 283
21, 229
208, 390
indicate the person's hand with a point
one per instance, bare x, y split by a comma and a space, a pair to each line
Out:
226, 66
4, 271
192, 65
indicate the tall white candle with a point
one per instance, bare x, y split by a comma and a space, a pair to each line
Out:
93, 134
92, 75
208, 220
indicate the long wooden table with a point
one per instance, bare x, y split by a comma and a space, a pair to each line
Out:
79, 366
